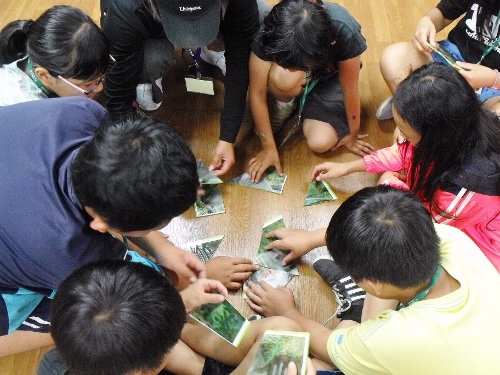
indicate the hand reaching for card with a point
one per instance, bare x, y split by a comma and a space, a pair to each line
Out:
202, 291
231, 272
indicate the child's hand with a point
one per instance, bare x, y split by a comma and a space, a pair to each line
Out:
477, 75
268, 301
292, 368
231, 272
297, 241
202, 291
425, 30
328, 170
266, 158
355, 144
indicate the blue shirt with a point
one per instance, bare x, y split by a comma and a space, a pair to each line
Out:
44, 230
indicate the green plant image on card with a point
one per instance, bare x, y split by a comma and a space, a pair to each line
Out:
204, 249
210, 203
271, 181
222, 318
276, 350
319, 192
275, 180
205, 175
268, 228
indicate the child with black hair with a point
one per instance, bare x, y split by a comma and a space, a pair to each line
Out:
122, 318
473, 41
70, 178
307, 55
432, 297
62, 53
450, 159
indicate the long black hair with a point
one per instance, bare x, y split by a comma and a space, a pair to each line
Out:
441, 106
63, 40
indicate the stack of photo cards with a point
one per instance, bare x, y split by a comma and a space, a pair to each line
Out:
319, 192
271, 181
211, 202
277, 350
204, 249
223, 319
271, 268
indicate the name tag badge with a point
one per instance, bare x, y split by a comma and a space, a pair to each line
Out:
202, 85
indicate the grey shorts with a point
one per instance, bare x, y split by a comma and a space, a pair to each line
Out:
326, 103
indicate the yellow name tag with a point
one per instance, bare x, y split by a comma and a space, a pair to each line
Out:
203, 85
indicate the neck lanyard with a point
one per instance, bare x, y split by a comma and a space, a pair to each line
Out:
37, 81
196, 57
420, 296
125, 242
307, 89
487, 50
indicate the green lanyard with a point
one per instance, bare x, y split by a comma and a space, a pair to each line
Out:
307, 89
487, 50
37, 81
420, 296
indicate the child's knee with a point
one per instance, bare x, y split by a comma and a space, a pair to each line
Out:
320, 136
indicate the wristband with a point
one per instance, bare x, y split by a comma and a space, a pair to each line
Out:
494, 85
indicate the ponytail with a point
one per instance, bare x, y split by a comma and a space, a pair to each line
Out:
13, 41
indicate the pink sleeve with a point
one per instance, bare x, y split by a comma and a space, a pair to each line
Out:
386, 159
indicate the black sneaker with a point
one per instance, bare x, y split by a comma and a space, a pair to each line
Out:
349, 296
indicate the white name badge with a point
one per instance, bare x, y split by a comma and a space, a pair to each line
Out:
203, 85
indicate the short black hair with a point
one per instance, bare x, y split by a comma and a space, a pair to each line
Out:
384, 234
63, 40
298, 34
115, 317
136, 173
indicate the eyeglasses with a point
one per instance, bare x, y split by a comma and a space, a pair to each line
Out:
86, 92
93, 88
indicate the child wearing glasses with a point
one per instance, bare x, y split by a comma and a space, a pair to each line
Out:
62, 53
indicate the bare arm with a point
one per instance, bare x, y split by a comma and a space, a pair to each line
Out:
426, 28
349, 79
185, 264
268, 156
297, 241
328, 170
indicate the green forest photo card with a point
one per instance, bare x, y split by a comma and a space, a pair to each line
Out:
204, 249
277, 349
319, 192
271, 181
223, 319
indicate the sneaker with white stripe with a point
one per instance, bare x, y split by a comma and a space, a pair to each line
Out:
347, 293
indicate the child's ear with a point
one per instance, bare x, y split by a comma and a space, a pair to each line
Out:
97, 223
44, 76
375, 286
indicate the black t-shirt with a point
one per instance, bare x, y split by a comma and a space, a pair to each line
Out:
464, 34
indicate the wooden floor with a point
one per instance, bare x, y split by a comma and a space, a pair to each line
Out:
196, 116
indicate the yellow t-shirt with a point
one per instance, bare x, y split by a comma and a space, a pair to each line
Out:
458, 333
